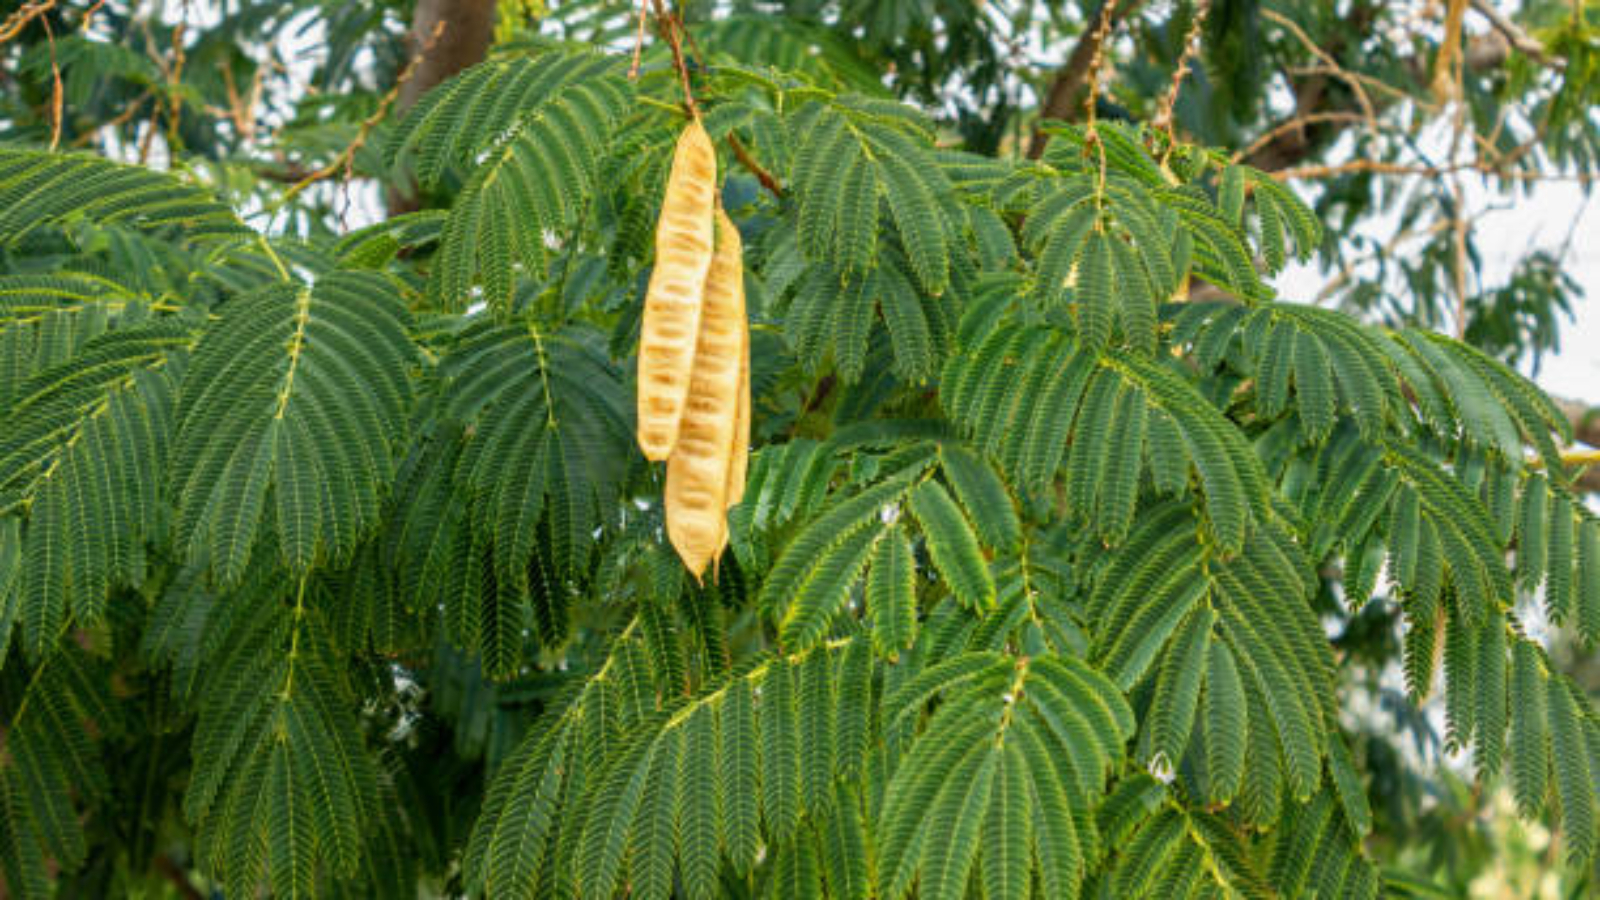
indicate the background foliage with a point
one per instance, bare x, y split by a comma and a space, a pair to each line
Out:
1074, 560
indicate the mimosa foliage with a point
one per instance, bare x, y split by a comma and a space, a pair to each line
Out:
1027, 596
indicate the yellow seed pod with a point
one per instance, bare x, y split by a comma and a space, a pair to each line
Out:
697, 471
740, 463
672, 303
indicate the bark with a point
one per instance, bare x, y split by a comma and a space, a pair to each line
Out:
464, 42
1065, 95
1585, 420
468, 30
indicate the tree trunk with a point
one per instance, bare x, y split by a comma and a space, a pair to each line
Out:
1065, 97
468, 30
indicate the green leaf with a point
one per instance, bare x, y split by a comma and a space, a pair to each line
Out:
953, 546
1230, 193
1529, 729
700, 801
778, 725
1224, 724
42, 189
892, 594
1096, 305
1178, 687
1007, 844
1558, 586
823, 593
1588, 581
301, 390
983, 496
740, 783
530, 132
1569, 755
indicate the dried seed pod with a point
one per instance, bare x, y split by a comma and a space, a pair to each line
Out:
672, 303
740, 463
698, 470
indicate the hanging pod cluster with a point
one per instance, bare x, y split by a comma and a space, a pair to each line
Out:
694, 356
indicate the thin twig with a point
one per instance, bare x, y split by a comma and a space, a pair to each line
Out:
148, 139
1347, 268
694, 44
1295, 124
1525, 43
767, 179
19, 20
175, 78
88, 15
1572, 456
56, 92
1097, 61
1456, 89
1458, 230
120, 119
1165, 119
1305, 173
1062, 95
670, 27
1332, 66
1091, 134
1360, 79
638, 40
346, 158
240, 112
1447, 64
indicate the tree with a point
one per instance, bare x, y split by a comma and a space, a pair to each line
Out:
1072, 559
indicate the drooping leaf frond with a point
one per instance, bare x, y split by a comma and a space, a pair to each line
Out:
41, 190
533, 133
86, 440
284, 788
292, 413
501, 505
331, 555
1108, 419
51, 766
860, 167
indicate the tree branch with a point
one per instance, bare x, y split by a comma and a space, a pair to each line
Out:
1525, 43
1378, 167
346, 158
767, 179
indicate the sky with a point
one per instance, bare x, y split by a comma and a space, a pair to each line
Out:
1575, 371
1507, 230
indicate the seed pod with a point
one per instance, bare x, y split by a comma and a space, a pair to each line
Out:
698, 470
677, 286
740, 463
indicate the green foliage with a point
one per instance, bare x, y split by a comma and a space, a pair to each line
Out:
1030, 592
41, 191
532, 132
303, 391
